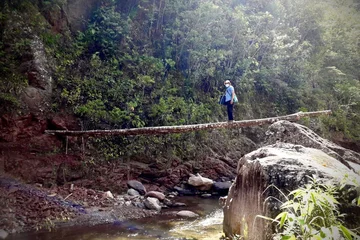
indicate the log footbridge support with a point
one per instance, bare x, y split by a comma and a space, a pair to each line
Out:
186, 128
175, 129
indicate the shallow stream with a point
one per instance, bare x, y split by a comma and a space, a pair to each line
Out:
208, 226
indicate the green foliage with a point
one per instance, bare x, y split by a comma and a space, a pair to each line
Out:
147, 148
95, 109
52, 5
12, 46
20, 21
345, 119
105, 32
311, 212
8, 101
149, 63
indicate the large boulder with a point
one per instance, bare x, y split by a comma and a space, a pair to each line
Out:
288, 132
286, 166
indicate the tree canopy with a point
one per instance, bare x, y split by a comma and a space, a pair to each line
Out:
163, 62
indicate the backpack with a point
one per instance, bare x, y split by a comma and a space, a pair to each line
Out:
222, 100
235, 100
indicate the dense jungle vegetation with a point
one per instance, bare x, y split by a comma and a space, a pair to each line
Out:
163, 62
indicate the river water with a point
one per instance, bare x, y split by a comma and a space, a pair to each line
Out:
208, 226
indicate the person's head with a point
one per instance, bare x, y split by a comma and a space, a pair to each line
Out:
227, 83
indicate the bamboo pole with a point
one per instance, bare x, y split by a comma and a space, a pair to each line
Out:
187, 128
66, 145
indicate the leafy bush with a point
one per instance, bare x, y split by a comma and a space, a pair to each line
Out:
312, 212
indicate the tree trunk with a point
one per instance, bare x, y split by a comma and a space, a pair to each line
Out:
186, 128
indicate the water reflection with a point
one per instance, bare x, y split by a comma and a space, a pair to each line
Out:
165, 227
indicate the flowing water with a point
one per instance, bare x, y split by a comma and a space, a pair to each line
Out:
164, 227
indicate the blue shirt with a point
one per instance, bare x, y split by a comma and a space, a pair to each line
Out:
228, 93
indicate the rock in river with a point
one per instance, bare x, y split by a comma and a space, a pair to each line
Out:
137, 186
155, 194
222, 187
202, 183
286, 166
187, 214
152, 203
3, 234
133, 192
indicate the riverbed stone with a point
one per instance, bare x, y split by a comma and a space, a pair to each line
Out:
152, 203
138, 186
222, 188
183, 191
202, 183
155, 194
168, 202
108, 194
206, 195
133, 192
179, 204
3, 234
139, 205
173, 194
187, 214
222, 201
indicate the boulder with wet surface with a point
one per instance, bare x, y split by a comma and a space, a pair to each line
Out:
286, 166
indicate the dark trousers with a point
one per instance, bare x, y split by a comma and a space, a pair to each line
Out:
230, 109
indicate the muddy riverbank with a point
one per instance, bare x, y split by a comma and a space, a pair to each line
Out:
26, 207
41, 213
165, 225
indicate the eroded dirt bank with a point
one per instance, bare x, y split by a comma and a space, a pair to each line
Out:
42, 186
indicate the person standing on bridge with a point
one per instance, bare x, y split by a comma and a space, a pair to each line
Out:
229, 99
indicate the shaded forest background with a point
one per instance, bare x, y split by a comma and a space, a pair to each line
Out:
163, 62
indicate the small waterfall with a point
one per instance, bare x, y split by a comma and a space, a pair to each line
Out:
206, 228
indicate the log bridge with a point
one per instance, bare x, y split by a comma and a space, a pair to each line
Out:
186, 128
